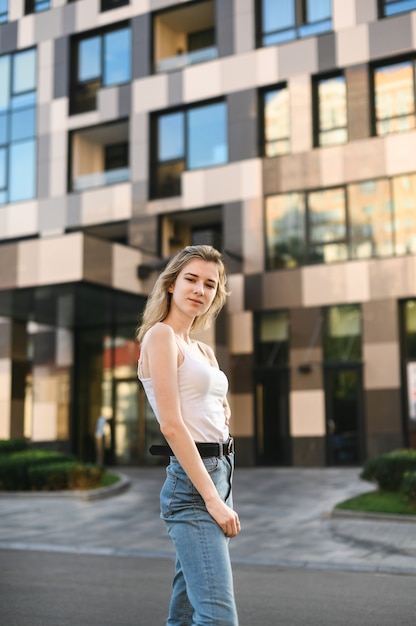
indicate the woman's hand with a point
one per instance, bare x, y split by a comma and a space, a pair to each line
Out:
226, 518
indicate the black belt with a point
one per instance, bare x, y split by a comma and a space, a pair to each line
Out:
205, 449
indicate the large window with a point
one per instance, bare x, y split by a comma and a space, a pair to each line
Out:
330, 101
99, 60
4, 6
285, 20
17, 126
394, 94
342, 336
35, 6
272, 338
393, 7
372, 218
276, 122
187, 139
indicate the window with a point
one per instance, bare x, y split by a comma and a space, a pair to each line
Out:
342, 336
99, 60
393, 7
276, 123
285, 230
327, 225
285, 20
404, 195
394, 93
187, 139
272, 338
184, 36
4, 6
188, 228
35, 6
107, 5
17, 126
330, 100
99, 156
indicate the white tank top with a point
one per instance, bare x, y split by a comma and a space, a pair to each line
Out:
202, 390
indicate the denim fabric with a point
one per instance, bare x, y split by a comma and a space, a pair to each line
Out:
203, 593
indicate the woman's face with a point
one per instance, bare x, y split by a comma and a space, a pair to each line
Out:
195, 287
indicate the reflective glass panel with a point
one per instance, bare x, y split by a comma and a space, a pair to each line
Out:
332, 100
117, 57
285, 230
276, 122
3, 168
393, 7
278, 15
3, 11
327, 215
22, 171
23, 124
404, 195
370, 219
207, 136
394, 98
273, 338
89, 59
4, 118
342, 340
24, 71
4, 82
318, 10
24, 100
171, 136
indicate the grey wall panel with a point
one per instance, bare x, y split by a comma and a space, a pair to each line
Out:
141, 53
242, 125
225, 27
61, 69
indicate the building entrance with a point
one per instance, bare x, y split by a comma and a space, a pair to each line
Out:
273, 445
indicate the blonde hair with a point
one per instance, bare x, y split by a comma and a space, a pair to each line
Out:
158, 303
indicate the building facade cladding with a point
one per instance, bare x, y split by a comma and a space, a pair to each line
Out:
283, 412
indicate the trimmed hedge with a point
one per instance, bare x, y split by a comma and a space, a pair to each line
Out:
388, 470
409, 487
59, 476
14, 467
7, 446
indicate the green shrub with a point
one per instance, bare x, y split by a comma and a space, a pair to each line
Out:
60, 476
409, 487
388, 470
7, 446
14, 467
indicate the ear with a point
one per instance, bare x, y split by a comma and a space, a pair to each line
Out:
170, 289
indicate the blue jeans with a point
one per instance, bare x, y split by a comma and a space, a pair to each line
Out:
203, 593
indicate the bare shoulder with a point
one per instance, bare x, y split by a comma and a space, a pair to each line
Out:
159, 332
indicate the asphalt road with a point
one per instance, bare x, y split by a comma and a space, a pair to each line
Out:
67, 589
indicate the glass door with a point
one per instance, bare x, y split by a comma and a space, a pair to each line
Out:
272, 418
127, 431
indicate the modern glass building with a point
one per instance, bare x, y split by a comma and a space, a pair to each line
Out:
282, 133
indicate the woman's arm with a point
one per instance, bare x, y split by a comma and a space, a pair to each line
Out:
162, 358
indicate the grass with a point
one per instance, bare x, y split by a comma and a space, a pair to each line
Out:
389, 502
109, 479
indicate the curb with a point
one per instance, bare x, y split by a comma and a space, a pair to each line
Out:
88, 496
361, 515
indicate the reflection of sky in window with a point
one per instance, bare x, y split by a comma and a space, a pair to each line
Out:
2, 168
278, 15
171, 137
3, 11
24, 71
207, 136
117, 57
393, 6
4, 81
89, 62
317, 10
22, 160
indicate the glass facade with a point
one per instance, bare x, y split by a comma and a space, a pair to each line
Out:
276, 121
331, 105
289, 19
394, 93
4, 8
394, 7
342, 342
189, 139
100, 60
18, 126
35, 6
285, 230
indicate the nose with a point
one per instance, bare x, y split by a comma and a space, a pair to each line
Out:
199, 288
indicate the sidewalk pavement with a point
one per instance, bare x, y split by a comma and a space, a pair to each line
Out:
286, 517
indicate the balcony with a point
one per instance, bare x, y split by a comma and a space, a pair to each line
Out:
184, 36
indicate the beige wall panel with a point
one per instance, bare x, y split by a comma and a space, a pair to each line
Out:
235, 302
122, 203
5, 381
59, 116
238, 72
241, 333
352, 45
75, 122
60, 259
323, 285
299, 57
253, 236
392, 278
332, 166
96, 206
251, 175
22, 218
357, 277
44, 425
107, 103
381, 365
124, 269
281, 290
3, 222
307, 413
244, 27
343, 14
364, 159
16, 10
311, 380
28, 263
267, 68
202, 81
193, 188
226, 183
380, 321
140, 6
150, 94
58, 164
86, 14
45, 71
400, 153
413, 21
139, 147
242, 419
26, 30
4, 419
300, 113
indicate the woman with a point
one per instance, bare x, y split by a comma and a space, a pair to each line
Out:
187, 392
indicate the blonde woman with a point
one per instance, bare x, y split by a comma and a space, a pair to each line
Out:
187, 392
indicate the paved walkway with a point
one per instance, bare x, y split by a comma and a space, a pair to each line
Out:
285, 516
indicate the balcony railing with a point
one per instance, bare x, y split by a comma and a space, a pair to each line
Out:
101, 179
189, 58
